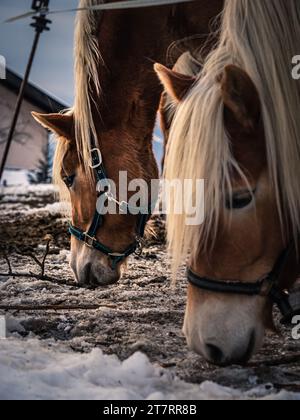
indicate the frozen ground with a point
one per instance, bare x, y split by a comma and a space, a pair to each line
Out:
32, 369
15, 177
65, 353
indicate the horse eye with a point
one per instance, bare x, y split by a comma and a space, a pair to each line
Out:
239, 201
69, 180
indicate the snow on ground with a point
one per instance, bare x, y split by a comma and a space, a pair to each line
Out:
30, 369
18, 191
31, 199
96, 353
53, 209
15, 177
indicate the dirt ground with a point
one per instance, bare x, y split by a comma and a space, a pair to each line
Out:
143, 312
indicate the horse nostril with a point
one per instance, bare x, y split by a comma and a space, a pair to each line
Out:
215, 354
87, 272
88, 278
240, 356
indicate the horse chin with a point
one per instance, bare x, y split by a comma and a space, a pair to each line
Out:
97, 278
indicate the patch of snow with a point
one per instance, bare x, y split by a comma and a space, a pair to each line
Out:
30, 369
15, 177
64, 256
59, 208
39, 189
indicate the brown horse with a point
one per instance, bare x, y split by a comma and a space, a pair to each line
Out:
116, 101
235, 124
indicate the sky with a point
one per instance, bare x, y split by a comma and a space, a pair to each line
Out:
53, 65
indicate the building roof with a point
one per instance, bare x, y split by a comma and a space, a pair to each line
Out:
33, 94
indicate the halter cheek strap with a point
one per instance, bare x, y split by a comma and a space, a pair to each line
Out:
89, 237
270, 287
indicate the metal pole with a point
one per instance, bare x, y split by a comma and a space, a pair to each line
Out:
40, 25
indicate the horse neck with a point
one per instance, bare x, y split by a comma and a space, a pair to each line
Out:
130, 42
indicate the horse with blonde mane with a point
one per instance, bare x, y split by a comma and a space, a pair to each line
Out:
111, 124
236, 125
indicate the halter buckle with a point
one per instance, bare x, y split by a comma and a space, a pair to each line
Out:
89, 240
96, 156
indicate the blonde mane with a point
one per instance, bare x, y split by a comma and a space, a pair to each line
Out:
60, 152
261, 37
87, 58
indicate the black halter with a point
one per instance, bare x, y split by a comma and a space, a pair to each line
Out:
89, 237
268, 287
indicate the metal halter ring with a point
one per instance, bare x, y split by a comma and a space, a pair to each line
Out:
98, 159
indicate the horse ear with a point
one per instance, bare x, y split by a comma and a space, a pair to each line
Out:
240, 97
176, 85
60, 124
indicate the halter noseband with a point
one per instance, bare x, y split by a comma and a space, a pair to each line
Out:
89, 237
267, 287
